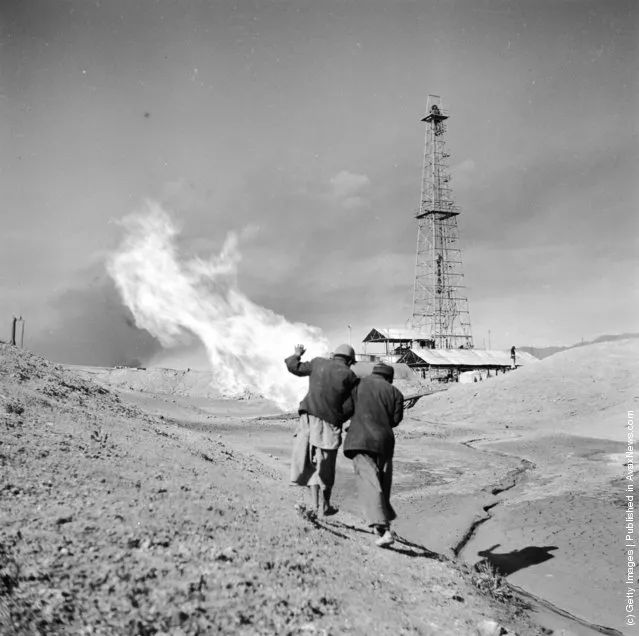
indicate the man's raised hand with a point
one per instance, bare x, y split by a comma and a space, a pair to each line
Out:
300, 349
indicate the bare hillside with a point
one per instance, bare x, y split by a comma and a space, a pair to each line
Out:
581, 390
191, 382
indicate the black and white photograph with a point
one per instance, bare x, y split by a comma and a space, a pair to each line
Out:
319, 317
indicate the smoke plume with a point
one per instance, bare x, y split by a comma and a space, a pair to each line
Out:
172, 297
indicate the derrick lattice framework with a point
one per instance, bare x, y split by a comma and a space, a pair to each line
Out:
440, 305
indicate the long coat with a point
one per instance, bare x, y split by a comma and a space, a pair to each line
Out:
379, 408
331, 383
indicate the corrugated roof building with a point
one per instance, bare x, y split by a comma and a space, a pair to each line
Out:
394, 335
414, 348
449, 363
389, 344
471, 358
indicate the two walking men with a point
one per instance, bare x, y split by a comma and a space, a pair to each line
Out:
374, 407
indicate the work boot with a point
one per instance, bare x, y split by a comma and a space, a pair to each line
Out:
329, 510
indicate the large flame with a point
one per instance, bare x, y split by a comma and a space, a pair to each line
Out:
168, 296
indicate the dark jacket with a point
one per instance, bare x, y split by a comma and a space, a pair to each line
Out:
330, 385
379, 407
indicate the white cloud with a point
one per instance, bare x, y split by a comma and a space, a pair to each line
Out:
348, 189
351, 203
347, 183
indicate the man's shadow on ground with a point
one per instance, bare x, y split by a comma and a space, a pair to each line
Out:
506, 563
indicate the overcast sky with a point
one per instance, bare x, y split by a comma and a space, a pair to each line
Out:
301, 119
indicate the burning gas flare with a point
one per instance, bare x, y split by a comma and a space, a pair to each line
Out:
169, 296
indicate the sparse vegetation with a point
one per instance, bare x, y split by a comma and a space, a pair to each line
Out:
487, 579
14, 407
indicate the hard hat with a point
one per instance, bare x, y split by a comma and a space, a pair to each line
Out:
346, 351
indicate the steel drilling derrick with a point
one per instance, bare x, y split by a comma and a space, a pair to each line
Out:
440, 305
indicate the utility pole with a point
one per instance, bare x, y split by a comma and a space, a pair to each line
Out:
14, 331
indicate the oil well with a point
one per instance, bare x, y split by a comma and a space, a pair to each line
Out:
437, 342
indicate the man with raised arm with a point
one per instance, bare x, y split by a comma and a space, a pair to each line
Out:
327, 405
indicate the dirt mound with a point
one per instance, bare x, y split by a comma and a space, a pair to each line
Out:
186, 383
117, 523
582, 389
52, 385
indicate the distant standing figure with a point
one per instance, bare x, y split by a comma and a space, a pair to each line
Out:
370, 443
327, 405
513, 355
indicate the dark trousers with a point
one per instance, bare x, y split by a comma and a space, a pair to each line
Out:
374, 477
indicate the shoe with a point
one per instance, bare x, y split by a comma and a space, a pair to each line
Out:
329, 511
388, 538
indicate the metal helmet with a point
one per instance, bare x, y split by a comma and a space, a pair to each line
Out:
346, 351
